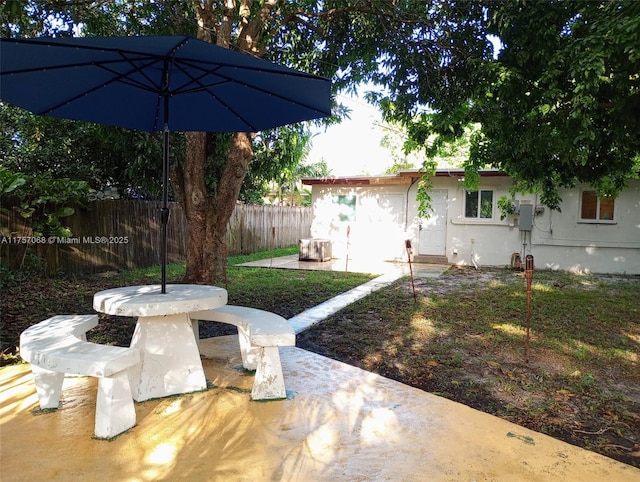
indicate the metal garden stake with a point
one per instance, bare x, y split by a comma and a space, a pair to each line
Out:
346, 264
528, 274
273, 244
407, 244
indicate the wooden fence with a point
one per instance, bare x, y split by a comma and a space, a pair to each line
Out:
126, 235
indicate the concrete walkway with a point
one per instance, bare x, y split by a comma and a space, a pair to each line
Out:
390, 272
338, 423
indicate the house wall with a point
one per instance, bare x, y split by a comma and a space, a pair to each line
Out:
488, 242
387, 215
376, 230
561, 241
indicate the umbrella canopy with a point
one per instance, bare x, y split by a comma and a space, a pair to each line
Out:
164, 83
127, 82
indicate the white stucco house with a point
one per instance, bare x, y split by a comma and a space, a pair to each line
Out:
370, 217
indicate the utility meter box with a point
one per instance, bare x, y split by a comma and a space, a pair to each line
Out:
525, 222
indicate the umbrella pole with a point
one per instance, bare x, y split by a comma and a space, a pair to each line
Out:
164, 211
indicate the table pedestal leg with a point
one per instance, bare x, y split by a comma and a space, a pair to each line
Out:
170, 358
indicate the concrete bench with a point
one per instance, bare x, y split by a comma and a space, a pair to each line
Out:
58, 346
260, 333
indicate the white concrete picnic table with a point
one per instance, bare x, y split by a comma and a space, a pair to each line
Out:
170, 358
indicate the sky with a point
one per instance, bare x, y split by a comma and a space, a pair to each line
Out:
353, 146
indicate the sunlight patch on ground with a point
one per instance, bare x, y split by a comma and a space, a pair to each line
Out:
391, 347
379, 424
632, 336
162, 453
423, 326
627, 354
541, 287
322, 443
428, 301
370, 417
509, 329
579, 351
172, 407
162, 457
16, 397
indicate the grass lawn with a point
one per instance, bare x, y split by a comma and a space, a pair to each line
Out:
34, 298
463, 338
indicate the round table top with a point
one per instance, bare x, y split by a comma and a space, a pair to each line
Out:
147, 300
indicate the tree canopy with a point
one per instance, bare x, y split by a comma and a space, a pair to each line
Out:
101, 156
558, 105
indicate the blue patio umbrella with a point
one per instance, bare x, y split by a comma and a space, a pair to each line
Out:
163, 83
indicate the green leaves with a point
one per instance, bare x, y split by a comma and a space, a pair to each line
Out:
42, 200
560, 104
505, 206
10, 181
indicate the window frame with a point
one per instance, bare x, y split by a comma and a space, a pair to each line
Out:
597, 219
478, 217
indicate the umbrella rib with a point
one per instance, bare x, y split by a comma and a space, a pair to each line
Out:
156, 88
278, 96
120, 77
206, 88
139, 64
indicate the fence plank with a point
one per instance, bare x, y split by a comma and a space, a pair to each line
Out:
125, 234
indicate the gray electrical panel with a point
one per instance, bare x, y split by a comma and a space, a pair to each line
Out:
525, 222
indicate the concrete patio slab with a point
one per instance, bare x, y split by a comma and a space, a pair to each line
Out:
338, 423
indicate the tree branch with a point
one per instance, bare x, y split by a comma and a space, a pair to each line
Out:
226, 24
251, 32
206, 19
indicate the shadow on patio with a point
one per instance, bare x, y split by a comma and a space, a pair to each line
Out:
338, 423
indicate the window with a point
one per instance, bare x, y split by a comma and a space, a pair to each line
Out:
346, 207
594, 208
478, 204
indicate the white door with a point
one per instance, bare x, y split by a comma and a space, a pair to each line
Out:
433, 231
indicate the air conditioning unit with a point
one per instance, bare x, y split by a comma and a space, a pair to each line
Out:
314, 249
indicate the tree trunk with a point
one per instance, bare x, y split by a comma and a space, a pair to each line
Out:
208, 215
193, 193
